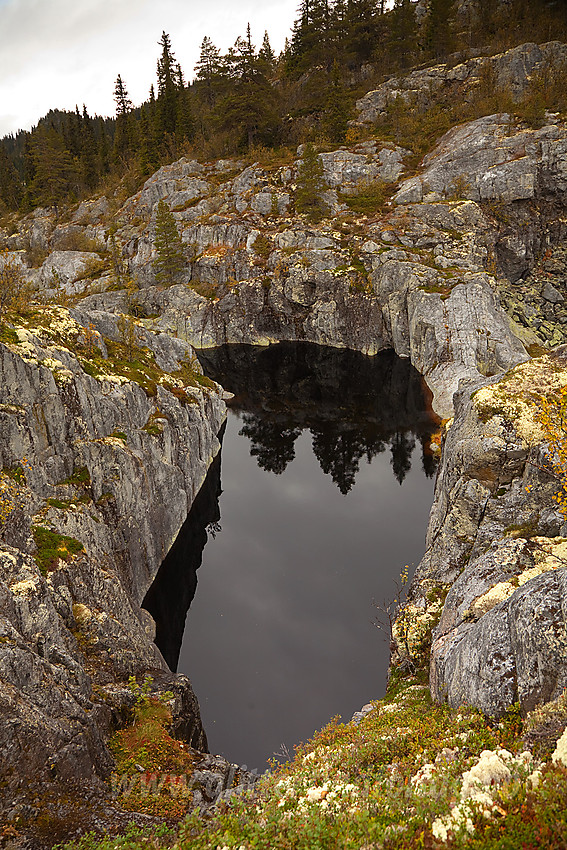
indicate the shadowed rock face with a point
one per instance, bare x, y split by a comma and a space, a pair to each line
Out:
173, 589
71, 629
311, 381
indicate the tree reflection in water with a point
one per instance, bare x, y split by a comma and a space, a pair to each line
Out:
354, 406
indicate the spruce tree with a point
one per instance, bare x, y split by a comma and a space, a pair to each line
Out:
208, 70
403, 33
88, 157
335, 118
266, 53
438, 30
169, 261
122, 133
148, 152
55, 173
168, 74
249, 107
310, 184
11, 189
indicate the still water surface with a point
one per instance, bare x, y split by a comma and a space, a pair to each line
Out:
326, 489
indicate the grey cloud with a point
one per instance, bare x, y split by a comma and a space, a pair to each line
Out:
56, 53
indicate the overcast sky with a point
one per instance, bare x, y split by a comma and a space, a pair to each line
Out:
58, 53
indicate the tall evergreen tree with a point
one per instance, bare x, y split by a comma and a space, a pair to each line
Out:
249, 105
266, 53
209, 69
360, 25
169, 261
122, 134
439, 38
310, 184
55, 172
403, 34
88, 156
148, 151
168, 87
11, 189
335, 117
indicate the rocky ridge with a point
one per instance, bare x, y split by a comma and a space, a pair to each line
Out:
409, 274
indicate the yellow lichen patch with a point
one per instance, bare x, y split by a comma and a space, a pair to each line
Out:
550, 554
517, 398
492, 597
413, 626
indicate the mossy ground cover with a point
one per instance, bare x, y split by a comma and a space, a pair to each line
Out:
390, 781
53, 547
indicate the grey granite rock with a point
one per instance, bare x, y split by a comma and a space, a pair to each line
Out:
79, 623
517, 652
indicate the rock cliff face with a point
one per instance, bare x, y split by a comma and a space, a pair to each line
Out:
494, 545
111, 465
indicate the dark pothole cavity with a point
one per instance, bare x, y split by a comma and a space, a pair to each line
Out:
299, 530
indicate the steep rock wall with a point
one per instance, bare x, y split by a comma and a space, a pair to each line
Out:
113, 464
494, 544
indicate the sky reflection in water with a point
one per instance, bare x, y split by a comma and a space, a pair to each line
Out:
280, 635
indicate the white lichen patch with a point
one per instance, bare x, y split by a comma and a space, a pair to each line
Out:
24, 588
7, 556
82, 614
479, 785
515, 398
119, 380
60, 371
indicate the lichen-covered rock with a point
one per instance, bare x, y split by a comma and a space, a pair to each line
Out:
112, 466
512, 70
492, 543
490, 160
517, 652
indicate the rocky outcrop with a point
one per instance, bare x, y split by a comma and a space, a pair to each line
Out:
491, 160
103, 455
118, 445
493, 544
422, 273
511, 71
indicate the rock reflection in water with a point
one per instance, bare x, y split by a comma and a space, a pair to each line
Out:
173, 588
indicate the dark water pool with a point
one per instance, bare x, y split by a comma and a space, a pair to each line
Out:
320, 497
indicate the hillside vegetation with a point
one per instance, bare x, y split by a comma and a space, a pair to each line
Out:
250, 99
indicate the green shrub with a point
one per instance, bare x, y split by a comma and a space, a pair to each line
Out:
53, 547
371, 197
